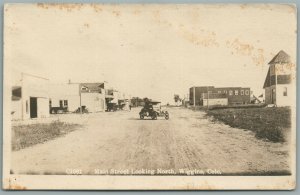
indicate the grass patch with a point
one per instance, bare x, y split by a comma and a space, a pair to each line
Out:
214, 107
267, 123
28, 135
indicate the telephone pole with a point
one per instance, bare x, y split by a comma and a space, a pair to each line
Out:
207, 98
194, 96
80, 98
22, 96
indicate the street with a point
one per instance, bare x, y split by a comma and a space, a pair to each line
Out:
120, 143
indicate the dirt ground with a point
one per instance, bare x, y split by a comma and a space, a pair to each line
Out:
120, 143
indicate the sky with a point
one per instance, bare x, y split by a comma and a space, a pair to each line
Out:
152, 51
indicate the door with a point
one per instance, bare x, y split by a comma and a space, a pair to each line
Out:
273, 96
33, 107
61, 104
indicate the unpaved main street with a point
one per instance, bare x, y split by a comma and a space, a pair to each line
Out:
120, 141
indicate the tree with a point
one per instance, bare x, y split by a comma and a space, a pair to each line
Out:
177, 99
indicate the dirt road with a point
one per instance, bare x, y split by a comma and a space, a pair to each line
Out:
121, 143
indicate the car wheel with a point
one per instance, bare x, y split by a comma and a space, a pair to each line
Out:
141, 116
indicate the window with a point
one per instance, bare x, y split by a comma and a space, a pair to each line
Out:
247, 92
236, 92
60, 103
285, 91
65, 102
242, 92
50, 103
225, 91
230, 92
83, 88
209, 91
219, 91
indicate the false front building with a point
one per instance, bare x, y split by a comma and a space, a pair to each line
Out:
29, 97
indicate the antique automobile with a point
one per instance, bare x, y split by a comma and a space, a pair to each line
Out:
83, 110
58, 107
58, 110
153, 109
112, 107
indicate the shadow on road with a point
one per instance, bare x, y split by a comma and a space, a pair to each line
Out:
146, 119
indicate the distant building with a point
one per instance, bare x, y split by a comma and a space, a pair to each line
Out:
185, 102
277, 84
30, 98
121, 100
219, 96
214, 99
109, 96
124, 102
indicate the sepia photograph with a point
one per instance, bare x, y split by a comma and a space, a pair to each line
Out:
149, 96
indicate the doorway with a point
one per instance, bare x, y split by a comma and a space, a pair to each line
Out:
33, 107
273, 96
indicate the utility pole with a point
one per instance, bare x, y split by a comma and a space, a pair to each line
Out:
275, 70
194, 96
80, 98
207, 98
22, 96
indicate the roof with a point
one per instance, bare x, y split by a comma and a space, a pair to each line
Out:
155, 102
231, 88
281, 57
92, 87
267, 80
281, 79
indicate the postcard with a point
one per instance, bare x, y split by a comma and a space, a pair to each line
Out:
149, 96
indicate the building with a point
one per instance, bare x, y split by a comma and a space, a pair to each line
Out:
214, 99
64, 97
186, 101
277, 85
93, 96
68, 97
124, 102
109, 96
201, 96
120, 100
116, 100
196, 94
30, 97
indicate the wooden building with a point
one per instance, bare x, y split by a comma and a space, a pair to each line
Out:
277, 85
30, 97
200, 96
